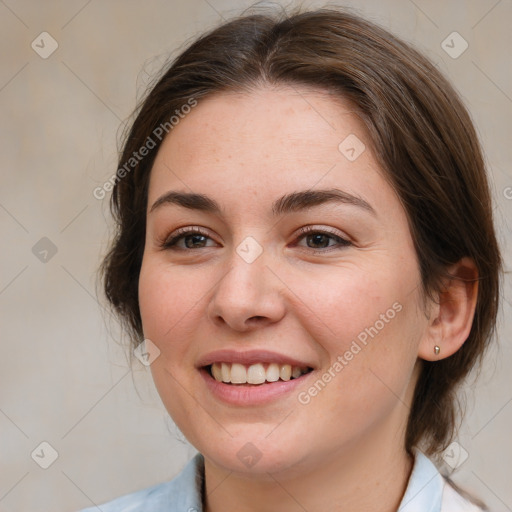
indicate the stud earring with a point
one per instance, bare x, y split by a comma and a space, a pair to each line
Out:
437, 350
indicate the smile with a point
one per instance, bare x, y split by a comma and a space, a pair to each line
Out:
258, 373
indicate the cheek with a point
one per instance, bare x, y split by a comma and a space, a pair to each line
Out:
368, 320
169, 302
168, 298
343, 301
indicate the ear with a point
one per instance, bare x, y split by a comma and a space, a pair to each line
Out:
451, 317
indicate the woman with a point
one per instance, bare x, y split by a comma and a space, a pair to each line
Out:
306, 245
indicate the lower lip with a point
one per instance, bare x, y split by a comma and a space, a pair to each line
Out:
251, 394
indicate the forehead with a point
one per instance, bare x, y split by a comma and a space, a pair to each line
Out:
265, 142
262, 119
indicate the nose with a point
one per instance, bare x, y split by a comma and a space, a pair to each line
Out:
248, 295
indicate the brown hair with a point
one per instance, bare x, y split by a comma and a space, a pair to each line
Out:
420, 132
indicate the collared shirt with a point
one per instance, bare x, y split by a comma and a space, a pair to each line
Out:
427, 491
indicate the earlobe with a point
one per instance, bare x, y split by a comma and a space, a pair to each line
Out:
452, 317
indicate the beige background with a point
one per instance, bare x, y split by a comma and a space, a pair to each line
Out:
64, 377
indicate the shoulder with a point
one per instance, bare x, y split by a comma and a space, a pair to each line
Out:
428, 490
183, 493
455, 502
150, 499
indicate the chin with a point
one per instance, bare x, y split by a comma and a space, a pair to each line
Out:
245, 456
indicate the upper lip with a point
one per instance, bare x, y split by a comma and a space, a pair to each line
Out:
249, 357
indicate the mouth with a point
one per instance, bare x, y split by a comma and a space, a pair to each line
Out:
254, 377
255, 374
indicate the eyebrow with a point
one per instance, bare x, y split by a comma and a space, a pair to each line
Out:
293, 202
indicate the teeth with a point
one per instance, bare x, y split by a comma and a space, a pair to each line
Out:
217, 372
285, 372
273, 372
254, 374
225, 372
238, 374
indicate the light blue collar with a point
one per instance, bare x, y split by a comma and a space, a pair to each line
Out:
424, 491
184, 493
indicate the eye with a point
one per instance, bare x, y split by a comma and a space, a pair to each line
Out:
193, 238
319, 240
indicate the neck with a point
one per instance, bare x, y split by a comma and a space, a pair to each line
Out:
370, 476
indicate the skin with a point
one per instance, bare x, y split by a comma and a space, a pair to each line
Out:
346, 446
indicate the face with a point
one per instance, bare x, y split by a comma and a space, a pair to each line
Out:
325, 282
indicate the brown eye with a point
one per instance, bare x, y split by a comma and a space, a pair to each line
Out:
192, 239
317, 240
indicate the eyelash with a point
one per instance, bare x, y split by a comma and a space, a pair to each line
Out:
170, 243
